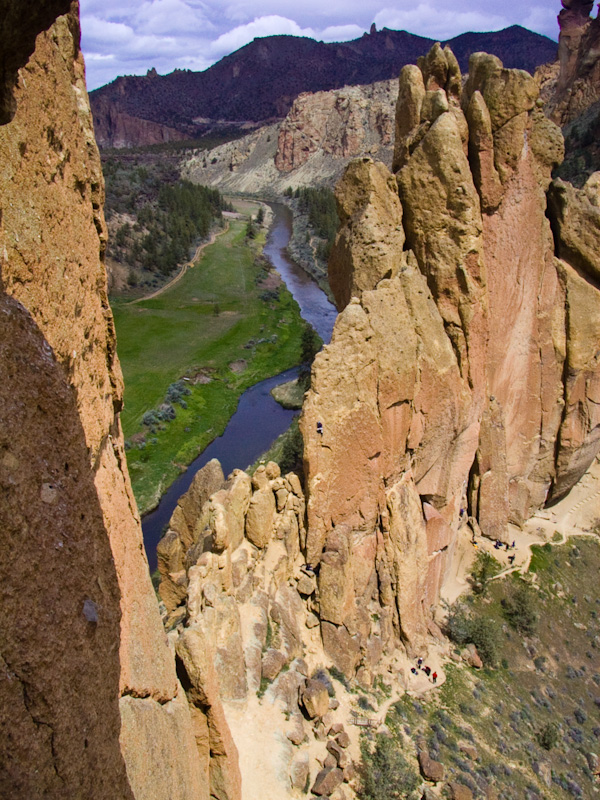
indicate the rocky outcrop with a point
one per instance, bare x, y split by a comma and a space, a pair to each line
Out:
342, 124
313, 144
89, 691
116, 128
578, 84
459, 377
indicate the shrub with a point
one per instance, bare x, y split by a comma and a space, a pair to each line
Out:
519, 611
384, 772
484, 569
478, 630
548, 736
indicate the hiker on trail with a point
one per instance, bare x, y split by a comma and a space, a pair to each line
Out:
414, 671
511, 559
419, 662
434, 677
320, 428
506, 546
497, 545
427, 671
514, 545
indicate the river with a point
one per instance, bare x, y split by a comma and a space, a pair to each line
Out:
258, 419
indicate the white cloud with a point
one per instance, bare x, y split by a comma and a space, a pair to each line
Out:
271, 25
130, 36
341, 33
436, 22
163, 17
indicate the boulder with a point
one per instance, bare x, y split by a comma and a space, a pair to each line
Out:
327, 781
472, 657
431, 770
315, 699
260, 517
273, 662
459, 791
300, 771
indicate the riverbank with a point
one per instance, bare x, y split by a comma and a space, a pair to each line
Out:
188, 354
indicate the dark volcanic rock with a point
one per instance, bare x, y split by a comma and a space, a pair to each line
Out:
260, 81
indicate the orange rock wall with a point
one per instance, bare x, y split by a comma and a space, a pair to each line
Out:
460, 377
90, 695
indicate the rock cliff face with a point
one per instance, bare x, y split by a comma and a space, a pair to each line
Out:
115, 128
578, 85
462, 374
238, 594
91, 701
311, 147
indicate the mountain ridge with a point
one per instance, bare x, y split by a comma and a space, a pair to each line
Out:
259, 82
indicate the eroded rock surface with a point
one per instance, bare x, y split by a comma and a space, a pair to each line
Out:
90, 695
459, 378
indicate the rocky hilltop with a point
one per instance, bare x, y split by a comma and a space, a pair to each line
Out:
92, 702
259, 82
313, 144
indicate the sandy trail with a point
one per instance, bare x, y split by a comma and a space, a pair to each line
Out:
184, 267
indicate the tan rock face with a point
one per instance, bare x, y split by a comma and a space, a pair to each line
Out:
80, 620
578, 85
342, 124
458, 377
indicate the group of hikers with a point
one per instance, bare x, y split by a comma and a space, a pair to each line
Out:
425, 669
507, 546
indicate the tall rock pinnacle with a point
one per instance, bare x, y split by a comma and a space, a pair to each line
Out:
462, 376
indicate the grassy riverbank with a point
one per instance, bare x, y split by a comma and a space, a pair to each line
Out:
227, 324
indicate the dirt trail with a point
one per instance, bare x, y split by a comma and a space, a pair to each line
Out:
184, 267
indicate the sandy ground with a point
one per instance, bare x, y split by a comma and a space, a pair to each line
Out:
259, 726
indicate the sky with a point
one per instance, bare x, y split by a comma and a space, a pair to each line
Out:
128, 37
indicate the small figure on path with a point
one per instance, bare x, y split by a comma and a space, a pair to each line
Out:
427, 671
434, 677
419, 662
511, 559
320, 428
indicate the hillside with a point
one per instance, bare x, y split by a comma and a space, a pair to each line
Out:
260, 81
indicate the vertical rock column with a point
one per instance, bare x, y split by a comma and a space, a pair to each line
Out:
79, 618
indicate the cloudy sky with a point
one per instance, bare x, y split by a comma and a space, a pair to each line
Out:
127, 37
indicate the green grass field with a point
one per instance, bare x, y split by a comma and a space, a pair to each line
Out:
213, 317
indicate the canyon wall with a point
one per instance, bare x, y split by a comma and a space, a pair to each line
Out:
462, 376
578, 85
92, 705
321, 133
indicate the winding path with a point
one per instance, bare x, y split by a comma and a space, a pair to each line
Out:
184, 267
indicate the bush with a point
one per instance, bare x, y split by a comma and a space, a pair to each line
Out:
548, 736
518, 610
484, 569
478, 630
385, 774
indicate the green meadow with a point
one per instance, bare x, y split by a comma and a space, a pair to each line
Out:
223, 327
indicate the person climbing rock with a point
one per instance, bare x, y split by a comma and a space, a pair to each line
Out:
320, 428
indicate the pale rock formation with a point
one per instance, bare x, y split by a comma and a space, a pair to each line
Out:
310, 147
91, 702
459, 376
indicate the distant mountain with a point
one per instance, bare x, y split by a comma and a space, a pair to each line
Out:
259, 82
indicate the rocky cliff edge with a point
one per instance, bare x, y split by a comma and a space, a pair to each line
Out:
92, 704
461, 382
